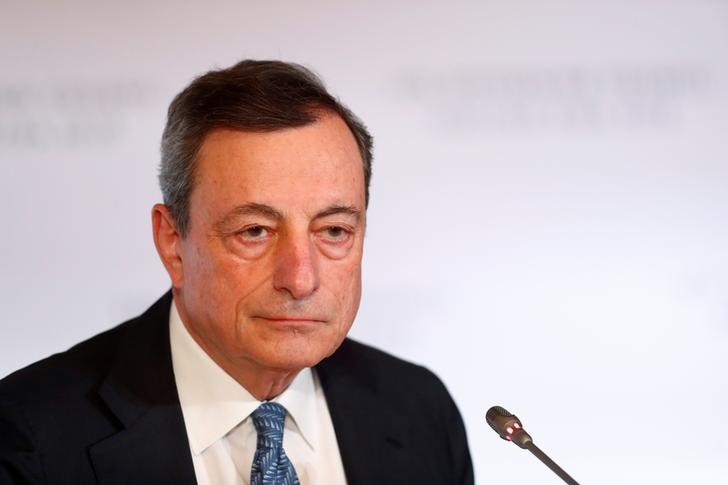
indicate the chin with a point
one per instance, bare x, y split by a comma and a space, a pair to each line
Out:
291, 364
297, 357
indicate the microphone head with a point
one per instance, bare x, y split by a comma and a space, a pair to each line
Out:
508, 426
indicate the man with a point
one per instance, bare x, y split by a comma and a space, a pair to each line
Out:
242, 373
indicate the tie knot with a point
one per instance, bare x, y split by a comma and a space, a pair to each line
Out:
269, 419
271, 465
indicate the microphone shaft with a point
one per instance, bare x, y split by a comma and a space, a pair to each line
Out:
550, 463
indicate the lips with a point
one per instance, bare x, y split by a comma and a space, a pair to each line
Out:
291, 319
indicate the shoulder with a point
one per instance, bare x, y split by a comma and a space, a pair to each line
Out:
60, 378
380, 367
370, 391
80, 364
52, 411
402, 383
48, 403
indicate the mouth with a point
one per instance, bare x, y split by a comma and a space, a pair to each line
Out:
290, 320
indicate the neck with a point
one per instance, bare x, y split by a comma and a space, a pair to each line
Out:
262, 382
264, 385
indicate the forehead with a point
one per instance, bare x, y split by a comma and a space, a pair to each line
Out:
280, 167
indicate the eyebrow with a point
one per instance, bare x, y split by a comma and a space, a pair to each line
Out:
254, 208
339, 209
248, 209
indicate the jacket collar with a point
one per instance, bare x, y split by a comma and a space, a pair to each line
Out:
141, 393
372, 433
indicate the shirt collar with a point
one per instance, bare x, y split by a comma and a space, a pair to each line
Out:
213, 403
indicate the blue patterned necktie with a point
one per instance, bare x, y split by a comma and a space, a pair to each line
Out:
271, 466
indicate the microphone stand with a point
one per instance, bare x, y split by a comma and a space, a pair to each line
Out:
550, 463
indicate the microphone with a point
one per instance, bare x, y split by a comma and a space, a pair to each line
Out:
509, 427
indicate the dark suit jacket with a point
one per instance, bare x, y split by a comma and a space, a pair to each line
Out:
106, 411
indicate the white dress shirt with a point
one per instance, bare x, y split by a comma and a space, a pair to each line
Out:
221, 434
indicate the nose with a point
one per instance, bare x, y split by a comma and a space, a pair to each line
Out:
296, 267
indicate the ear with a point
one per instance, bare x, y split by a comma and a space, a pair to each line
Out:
167, 241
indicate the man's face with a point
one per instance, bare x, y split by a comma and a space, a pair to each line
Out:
271, 265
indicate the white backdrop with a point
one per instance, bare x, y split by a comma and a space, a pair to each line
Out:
547, 228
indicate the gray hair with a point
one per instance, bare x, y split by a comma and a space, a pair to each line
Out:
256, 96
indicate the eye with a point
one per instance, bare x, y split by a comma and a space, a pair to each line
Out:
335, 234
336, 240
254, 233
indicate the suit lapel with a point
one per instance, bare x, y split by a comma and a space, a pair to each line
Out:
371, 433
141, 392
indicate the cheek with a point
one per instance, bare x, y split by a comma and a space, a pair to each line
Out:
349, 286
348, 307
210, 284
